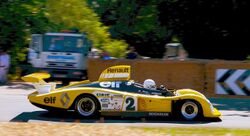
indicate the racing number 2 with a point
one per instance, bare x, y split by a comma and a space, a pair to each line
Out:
130, 102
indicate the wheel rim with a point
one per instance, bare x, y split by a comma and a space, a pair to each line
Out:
86, 106
189, 110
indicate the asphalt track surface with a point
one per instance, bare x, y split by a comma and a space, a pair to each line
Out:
15, 107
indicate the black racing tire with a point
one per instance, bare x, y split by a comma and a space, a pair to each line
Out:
87, 106
189, 110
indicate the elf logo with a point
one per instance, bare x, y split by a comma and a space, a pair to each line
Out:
50, 100
111, 84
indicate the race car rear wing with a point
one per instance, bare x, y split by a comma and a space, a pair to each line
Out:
36, 77
116, 73
38, 82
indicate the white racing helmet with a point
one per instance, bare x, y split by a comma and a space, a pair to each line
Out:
149, 84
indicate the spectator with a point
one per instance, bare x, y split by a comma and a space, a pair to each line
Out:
105, 55
4, 66
94, 53
132, 54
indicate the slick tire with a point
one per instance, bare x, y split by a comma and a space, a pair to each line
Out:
189, 110
87, 106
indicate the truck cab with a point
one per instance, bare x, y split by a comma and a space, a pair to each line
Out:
63, 55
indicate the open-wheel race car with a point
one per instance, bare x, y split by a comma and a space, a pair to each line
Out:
116, 94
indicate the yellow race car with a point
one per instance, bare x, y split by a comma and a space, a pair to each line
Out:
116, 94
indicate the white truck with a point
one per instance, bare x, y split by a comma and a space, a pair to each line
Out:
63, 55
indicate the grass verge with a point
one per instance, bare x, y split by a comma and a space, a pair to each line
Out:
172, 131
102, 129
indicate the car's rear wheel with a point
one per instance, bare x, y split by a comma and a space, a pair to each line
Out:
87, 106
190, 110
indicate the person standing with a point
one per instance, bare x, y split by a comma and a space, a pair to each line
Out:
105, 55
132, 54
4, 66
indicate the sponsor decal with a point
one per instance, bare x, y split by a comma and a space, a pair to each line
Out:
50, 100
109, 101
116, 75
129, 83
105, 105
111, 106
116, 100
117, 106
117, 95
65, 99
118, 70
158, 114
104, 100
102, 94
110, 84
155, 93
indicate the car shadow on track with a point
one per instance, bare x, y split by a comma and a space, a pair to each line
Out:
21, 85
72, 118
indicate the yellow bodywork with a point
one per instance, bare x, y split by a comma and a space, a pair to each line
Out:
116, 101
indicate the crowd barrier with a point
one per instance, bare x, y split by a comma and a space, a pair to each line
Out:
214, 78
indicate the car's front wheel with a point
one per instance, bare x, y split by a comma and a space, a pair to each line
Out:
87, 106
190, 110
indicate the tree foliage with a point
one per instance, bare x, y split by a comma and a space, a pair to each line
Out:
136, 22
18, 20
76, 13
209, 29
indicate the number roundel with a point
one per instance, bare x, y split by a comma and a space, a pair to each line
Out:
130, 104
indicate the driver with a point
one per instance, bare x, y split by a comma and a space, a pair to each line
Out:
149, 84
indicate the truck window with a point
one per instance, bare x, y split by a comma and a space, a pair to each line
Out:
63, 43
